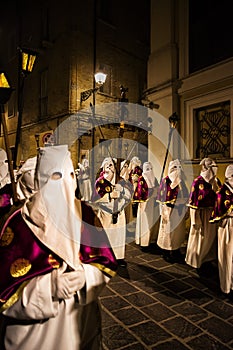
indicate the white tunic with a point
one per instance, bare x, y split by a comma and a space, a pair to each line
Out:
116, 232
225, 254
172, 229
38, 322
147, 224
202, 240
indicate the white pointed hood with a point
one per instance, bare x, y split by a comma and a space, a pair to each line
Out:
53, 213
174, 172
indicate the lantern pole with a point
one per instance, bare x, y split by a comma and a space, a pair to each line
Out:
26, 63
5, 94
173, 120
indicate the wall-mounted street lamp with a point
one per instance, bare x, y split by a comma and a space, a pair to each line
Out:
5, 94
27, 59
149, 104
100, 79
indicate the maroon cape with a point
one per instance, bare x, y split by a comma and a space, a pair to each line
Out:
23, 256
223, 204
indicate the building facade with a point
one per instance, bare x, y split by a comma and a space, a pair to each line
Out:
190, 72
73, 39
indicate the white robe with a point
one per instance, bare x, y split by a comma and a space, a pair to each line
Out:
85, 186
172, 229
38, 322
225, 254
202, 239
116, 232
147, 224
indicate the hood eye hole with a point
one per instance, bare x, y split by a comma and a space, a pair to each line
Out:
56, 175
72, 175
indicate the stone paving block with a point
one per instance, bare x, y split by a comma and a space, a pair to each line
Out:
117, 278
129, 316
150, 257
159, 263
221, 309
107, 292
135, 275
181, 328
177, 270
149, 305
196, 296
177, 286
106, 319
150, 333
191, 311
161, 277
116, 337
140, 299
149, 286
158, 312
143, 269
168, 298
206, 342
123, 288
113, 303
131, 252
195, 282
220, 329
170, 345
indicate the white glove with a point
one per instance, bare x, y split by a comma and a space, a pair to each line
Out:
118, 188
65, 284
116, 193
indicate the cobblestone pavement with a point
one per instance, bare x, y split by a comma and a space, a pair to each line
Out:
153, 304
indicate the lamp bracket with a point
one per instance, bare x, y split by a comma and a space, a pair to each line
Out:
86, 94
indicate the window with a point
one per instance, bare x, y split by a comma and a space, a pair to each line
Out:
210, 27
213, 130
44, 93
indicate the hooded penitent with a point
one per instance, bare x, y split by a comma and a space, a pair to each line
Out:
53, 213
174, 173
209, 169
124, 171
135, 162
48, 228
4, 171
229, 175
25, 179
109, 170
224, 201
148, 174
204, 187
